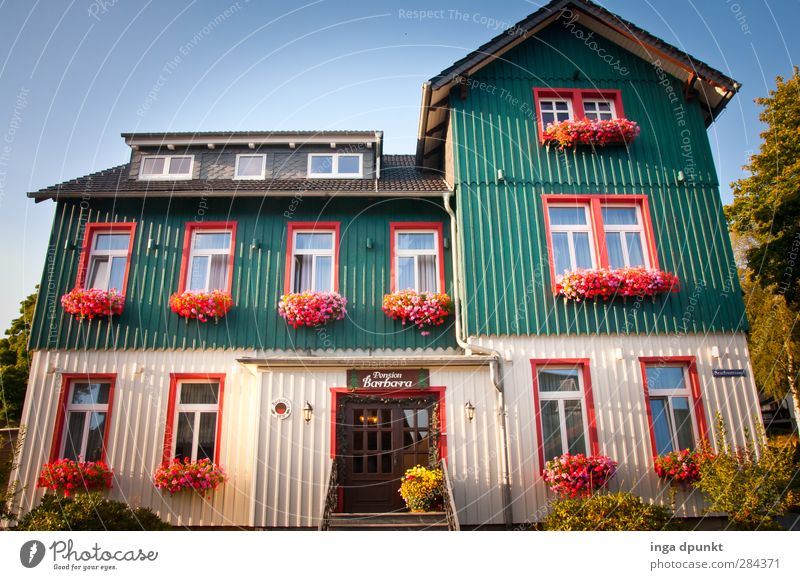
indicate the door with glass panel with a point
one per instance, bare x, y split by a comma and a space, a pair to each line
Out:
562, 411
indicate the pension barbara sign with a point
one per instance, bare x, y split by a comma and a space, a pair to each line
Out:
388, 379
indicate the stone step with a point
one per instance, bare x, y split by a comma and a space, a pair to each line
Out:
395, 521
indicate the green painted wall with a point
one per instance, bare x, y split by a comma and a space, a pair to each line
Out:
258, 275
507, 278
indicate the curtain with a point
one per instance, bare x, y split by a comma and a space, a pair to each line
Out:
573, 419
323, 279
302, 273
620, 216
197, 273
558, 380
614, 246
405, 273
568, 216
561, 257
199, 393
583, 255
218, 279
635, 253
98, 272
427, 273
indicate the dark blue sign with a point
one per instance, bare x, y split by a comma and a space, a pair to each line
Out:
728, 372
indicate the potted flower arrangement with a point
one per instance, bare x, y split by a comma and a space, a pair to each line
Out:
577, 475
606, 283
69, 476
201, 476
312, 309
201, 305
681, 468
588, 132
93, 303
422, 309
421, 489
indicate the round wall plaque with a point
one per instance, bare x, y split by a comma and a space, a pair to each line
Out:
281, 408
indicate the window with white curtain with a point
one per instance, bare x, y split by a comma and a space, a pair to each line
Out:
312, 261
108, 260
599, 110
671, 408
571, 237
555, 111
196, 417
85, 421
562, 409
209, 260
417, 260
624, 234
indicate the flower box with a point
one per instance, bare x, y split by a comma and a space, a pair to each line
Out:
201, 476
681, 467
606, 283
68, 476
573, 476
421, 489
312, 309
422, 309
201, 305
587, 132
93, 303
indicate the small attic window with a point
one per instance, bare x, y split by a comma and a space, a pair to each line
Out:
250, 166
166, 167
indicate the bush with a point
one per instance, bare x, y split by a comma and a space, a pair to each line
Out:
608, 513
88, 512
749, 486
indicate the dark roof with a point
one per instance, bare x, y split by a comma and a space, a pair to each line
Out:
398, 174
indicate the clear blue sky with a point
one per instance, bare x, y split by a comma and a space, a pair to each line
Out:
73, 75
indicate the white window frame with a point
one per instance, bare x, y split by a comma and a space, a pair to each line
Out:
166, 174
315, 254
561, 396
623, 229
195, 253
238, 177
197, 409
111, 254
668, 394
398, 253
612, 107
588, 228
335, 166
88, 409
555, 113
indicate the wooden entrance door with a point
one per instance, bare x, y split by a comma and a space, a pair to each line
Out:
382, 441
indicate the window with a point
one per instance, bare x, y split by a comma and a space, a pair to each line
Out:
81, 430
416, 256
564, 408
335, 165
555, 111
624, 236
313, 257
105, 257
556, 105
674, 408
194, 416
250, 166
208, 256
571, 237
599, 110
167, 167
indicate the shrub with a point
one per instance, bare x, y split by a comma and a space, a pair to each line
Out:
201, 476
578, 475
68, 476
422, 488
612, 512
88, 512
748, 483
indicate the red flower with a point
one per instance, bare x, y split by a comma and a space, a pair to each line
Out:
66, 475
91, 303
312, 308
201, 305
421, 309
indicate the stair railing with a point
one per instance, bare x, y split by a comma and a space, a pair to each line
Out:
331, 496
451, 513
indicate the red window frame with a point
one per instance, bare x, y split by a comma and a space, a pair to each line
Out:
191, 228
690, 362
595, 202
591, 421
93, 228
174, 379
61, 410
395, 227
316, 227
575, 97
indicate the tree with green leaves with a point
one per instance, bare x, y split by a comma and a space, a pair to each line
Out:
15, 363
766, 204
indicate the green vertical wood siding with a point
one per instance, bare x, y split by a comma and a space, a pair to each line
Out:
506, 273
258, 276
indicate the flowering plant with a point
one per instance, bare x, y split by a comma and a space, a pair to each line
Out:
201, 476
681, 466
71, 476
421, 488
587, 132
201, 305
606, 283
82, 303
312, 308
578, 475
422, 309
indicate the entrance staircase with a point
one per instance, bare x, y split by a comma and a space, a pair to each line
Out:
393, 521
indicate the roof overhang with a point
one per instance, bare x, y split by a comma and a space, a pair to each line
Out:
713, 88
203, 139
369, 362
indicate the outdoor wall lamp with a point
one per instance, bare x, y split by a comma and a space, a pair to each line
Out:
501, 175
469, 410
714, 352
369, 243
307, 412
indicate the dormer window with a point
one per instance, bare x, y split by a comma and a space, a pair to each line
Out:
336, 165
167, 167
250, 166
